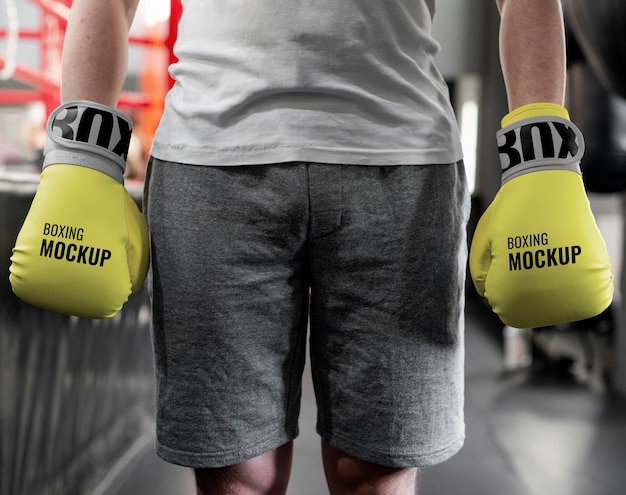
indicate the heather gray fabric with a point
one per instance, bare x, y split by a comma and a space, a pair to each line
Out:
235, 251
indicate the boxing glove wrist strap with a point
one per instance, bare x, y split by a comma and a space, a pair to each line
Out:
539, 137
90, 135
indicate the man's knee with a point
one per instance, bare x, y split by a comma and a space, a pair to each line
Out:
267, 474
346, 474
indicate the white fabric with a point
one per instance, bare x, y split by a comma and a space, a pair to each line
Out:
331, 81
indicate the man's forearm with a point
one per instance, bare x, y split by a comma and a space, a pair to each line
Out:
532, 51
95, 51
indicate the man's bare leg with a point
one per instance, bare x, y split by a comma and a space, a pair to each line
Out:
267, 474
347, 475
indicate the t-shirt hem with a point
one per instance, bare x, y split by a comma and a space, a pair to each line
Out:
266, 155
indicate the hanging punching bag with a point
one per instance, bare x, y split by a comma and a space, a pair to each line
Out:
596, 89
599, 27
601, 117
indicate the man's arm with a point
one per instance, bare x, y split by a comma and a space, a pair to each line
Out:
95, 51
532, 51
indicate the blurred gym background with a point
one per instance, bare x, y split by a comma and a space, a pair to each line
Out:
545, 407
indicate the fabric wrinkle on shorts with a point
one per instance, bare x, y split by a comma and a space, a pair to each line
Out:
243, 258
325, 197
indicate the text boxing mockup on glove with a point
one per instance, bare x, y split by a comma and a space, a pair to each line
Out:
83, 248
537, 255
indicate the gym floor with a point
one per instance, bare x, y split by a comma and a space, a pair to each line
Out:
530, 432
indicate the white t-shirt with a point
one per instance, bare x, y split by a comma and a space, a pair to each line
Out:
328, 81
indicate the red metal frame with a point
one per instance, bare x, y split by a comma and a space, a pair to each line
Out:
45, 79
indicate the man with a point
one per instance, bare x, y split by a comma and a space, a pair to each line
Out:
308, 145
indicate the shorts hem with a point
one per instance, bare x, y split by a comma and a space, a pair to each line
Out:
394, 459
202, 460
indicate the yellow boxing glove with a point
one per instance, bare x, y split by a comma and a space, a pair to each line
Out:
537, 255
83, 247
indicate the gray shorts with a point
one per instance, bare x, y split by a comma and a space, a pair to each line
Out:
241, 256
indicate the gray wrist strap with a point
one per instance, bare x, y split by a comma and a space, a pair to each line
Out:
90, 135
539, 143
